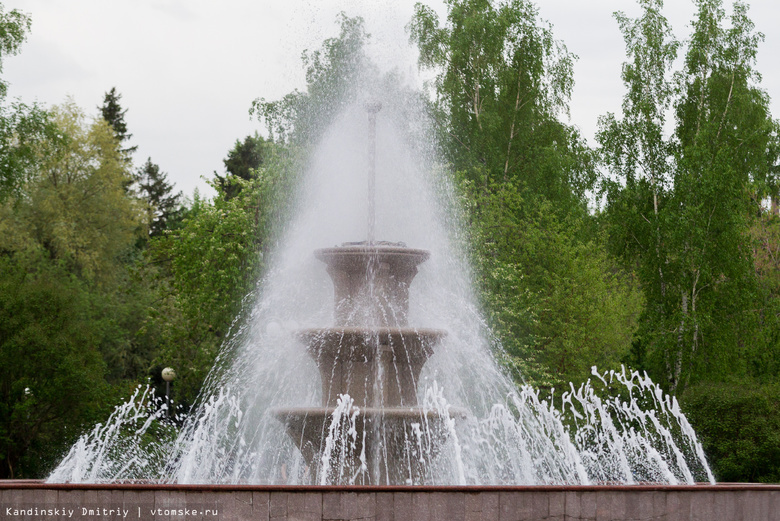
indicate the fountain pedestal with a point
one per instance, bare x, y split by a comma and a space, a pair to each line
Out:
379, 434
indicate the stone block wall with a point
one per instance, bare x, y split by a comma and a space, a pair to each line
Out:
34, 501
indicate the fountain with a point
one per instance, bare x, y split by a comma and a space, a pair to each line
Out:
370, 358
393, 383
389, 396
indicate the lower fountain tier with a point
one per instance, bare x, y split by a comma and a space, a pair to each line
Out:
377, 367
388, 446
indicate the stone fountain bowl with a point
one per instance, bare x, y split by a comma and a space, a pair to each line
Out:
364, 343
377, 366
397, 439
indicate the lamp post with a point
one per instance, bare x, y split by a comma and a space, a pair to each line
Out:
168, 374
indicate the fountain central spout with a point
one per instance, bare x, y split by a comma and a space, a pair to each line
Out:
372, 108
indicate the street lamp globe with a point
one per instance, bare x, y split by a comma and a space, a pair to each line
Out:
168, 374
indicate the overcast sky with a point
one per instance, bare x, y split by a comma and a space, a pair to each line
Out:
188, 70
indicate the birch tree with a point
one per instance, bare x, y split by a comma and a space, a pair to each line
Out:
682, 204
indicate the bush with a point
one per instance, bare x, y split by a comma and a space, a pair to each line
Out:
739, 426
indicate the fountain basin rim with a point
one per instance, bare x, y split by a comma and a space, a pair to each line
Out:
380, 249
368, 331
407, 413
360, 255
33, 484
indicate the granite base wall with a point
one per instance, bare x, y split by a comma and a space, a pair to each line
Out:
33, 501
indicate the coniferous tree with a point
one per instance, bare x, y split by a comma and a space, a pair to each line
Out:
245, 157
113, 113
164, 205
241, 162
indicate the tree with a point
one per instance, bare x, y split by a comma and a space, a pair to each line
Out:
76, 207
683, 204
211, 264
336, 74
739, 426
503, 82
51, 372
77, 213
764, 363
21, 126
555, 300
13, 28
164, 205
242, 162
67, 330
245, 157
112, 112
638, 154
634, 148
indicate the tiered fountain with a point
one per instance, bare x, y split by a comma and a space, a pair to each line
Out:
382, 415
309, 396
369, 363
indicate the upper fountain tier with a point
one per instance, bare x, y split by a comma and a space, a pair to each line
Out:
371, 282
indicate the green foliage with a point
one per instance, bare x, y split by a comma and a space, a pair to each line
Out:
682, 212
210, 257
23, 129
70, 306
335, 74
242, 162
739, 426
51, 369
164, 206
14, 25
75, 207
212, 263
503, 82
763, 359
681, 206
112, 112
245, 157
552, 296
555, 299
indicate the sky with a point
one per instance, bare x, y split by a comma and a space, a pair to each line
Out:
188, 70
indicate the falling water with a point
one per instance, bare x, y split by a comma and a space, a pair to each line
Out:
620, 427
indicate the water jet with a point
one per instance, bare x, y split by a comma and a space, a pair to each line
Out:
365, 363
370, 362
334, 416
331, 411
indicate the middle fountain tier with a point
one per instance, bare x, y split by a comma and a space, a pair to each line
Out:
370, 428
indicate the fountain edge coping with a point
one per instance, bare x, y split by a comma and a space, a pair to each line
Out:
700, 487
